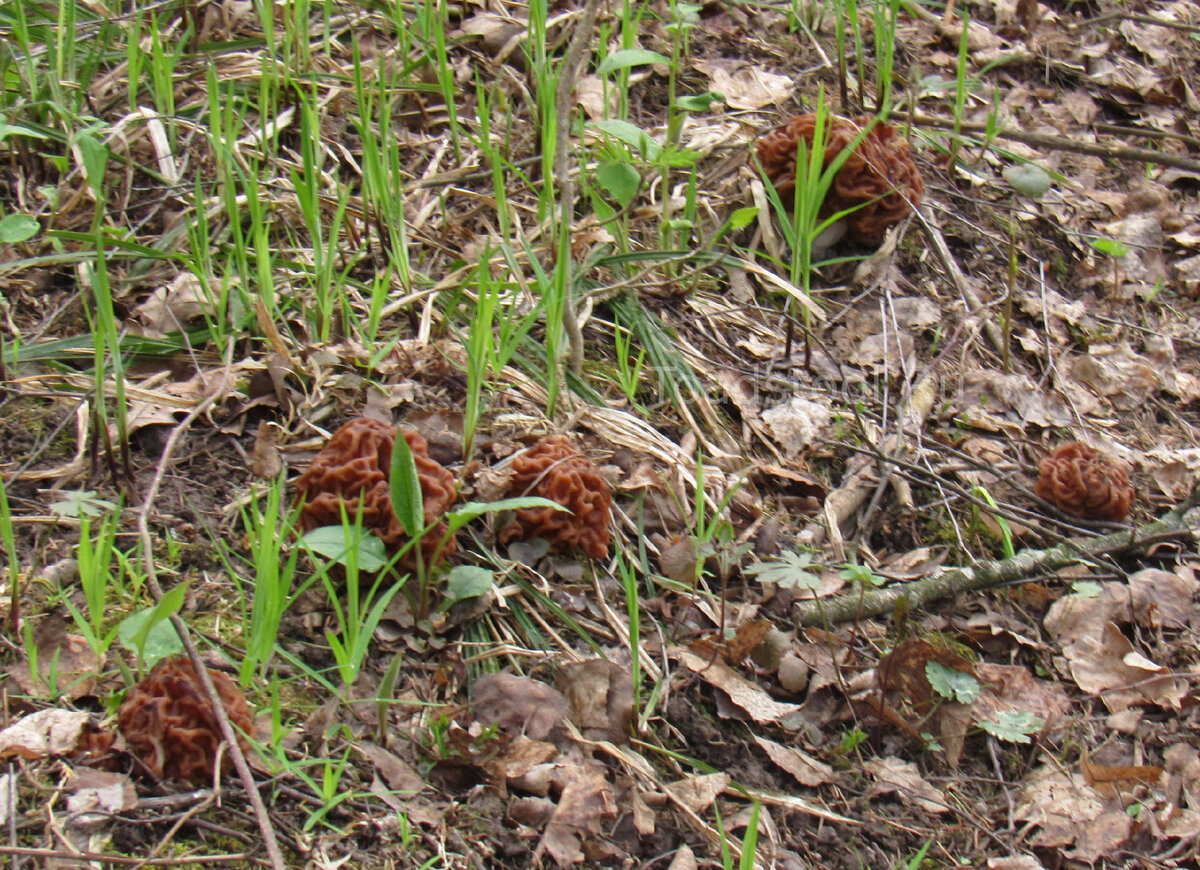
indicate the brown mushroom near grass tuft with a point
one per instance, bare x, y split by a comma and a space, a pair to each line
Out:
553, 469
353, 470
879, 175
1086, 483
170, 726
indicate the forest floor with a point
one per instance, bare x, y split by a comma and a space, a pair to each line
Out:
834, 626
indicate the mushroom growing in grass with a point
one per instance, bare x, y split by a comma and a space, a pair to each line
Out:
878, 181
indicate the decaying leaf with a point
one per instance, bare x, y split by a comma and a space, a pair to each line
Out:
806, 769
519, 705
1010, 688
761, 707
744, 86
697, 793
893, 776
44, 733
96, 795
1109, 665
599, 696
398, 774
585, 804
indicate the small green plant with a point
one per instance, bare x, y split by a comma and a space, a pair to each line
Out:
96, 577
851, 740
862, 575
915, 862
408, 504
81, 503
792, 570
269, 528
356, 614
629, 584
951, 683
326, 790
1015, 726
803, 224
488, 349
149, 634
10, 542
1006, 535
629, 370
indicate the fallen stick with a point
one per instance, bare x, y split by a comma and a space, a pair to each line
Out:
984, 575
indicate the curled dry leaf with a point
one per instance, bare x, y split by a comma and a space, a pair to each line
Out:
892, 775
1084, 482
354, 468
879, 174
46, 732
585, 806
760, 706
1110, 666
599, 696
170, 726
552, 468
519, 705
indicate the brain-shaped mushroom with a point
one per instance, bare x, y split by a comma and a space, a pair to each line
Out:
353, 470
879, 174
169, 724
1084, 482
553, 469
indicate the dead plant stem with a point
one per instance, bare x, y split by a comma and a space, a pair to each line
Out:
569, 72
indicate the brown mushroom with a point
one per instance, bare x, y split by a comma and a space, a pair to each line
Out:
552, 468
1084, 482
879, 175
170, 726
353, 470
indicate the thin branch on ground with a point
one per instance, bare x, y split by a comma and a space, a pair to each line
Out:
991, 573
1057, 143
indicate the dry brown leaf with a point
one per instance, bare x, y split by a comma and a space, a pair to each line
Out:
761, 707
798, 424
997, 402
1163, 599
585, 805
1109, 665
518, 704
697, 793
44, 733
806, 769
1059, 803
1109, 781
171, 308
1013, 688
100, 792
1122, 377
685, 859
398, 774
1016, 862
265, 461
522, 756
599, 696
744, 86
893, 776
